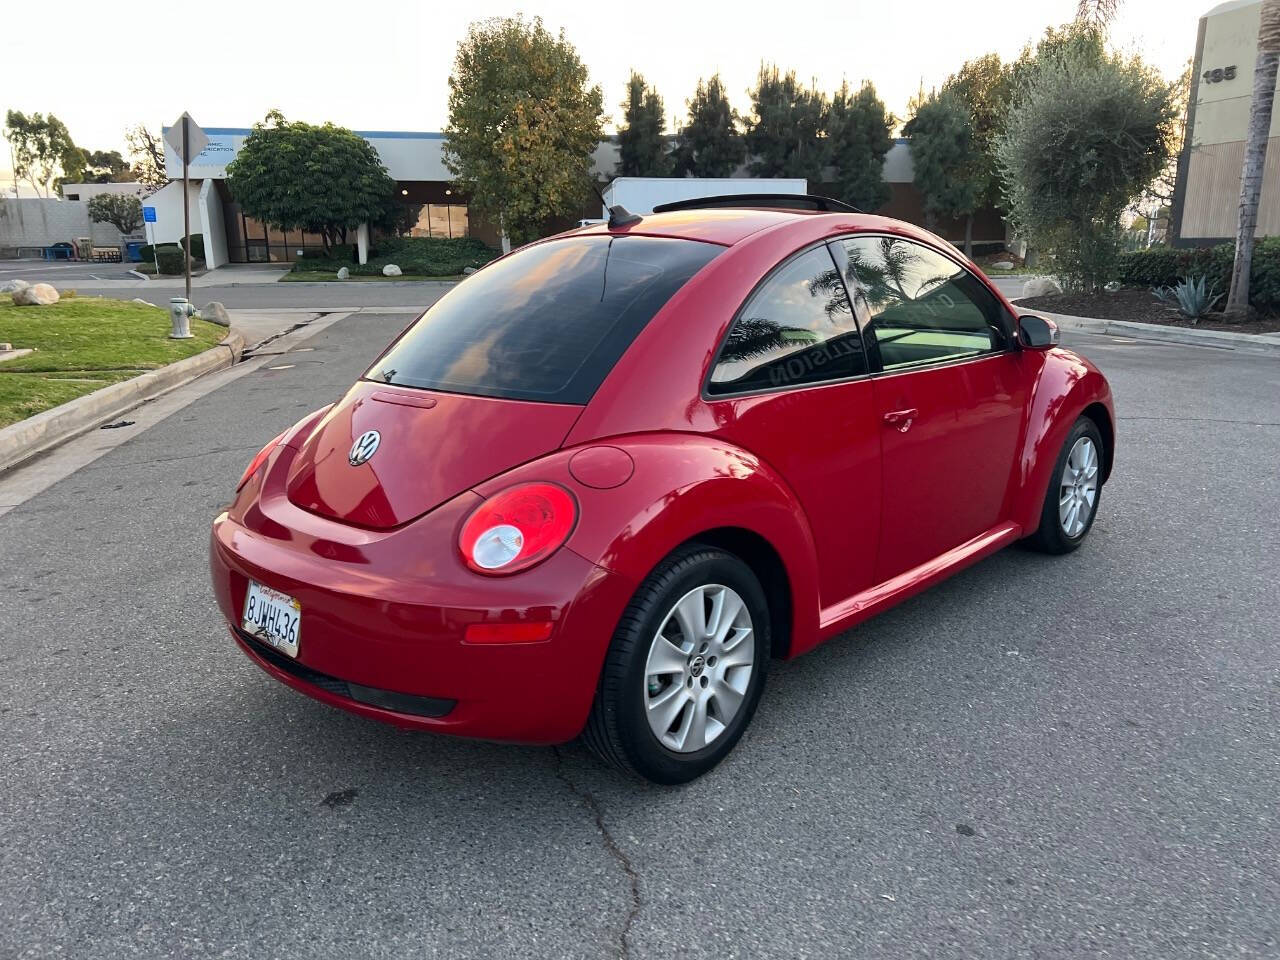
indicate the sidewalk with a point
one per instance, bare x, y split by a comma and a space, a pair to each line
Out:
231, 275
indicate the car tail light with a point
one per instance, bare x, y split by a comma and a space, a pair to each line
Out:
517, 528
258, 461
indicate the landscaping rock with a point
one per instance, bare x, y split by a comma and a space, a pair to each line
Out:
468, 270
13, 286
145, 302
40, 295
1003, 265
215, 312
1041, 287
343, 273
391, 270
1111, 287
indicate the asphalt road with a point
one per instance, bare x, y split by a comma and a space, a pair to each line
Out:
1044, 757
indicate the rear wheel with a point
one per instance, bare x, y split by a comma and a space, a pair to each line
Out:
1071, 502
685, 668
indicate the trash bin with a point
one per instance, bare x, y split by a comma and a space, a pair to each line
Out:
133, 250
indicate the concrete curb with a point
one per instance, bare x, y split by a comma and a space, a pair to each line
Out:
27, 438
1255, 343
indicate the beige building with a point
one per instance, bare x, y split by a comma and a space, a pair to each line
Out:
1207, 199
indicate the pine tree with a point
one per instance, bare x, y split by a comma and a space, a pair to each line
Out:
786, 135
709, 144
942, 154
642, 144
858, 133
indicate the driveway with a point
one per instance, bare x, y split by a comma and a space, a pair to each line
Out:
1043, 757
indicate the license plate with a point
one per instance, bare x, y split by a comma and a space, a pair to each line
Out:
273, 617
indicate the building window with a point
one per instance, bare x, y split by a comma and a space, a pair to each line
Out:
441, 220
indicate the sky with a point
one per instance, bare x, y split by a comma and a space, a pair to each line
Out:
384, 64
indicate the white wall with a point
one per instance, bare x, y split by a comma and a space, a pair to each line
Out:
85, 192
212, 225
168, 203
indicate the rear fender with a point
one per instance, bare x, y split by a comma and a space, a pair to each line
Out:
1064, 387
683, 485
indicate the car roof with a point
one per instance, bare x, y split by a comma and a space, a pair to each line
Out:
723, 226
729, 226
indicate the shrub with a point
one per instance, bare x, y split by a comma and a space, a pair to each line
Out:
424, 256
197, 246
1193, 297
169, 259
1163, 266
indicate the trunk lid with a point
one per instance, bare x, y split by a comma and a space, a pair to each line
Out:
430, 447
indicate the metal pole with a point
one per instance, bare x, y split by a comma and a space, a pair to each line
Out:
186, 210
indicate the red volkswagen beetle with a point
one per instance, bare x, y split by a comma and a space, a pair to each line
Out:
600, 483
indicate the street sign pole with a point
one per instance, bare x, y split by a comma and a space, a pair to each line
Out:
186, 203
188, 140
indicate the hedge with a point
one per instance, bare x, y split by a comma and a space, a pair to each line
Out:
1162, 266
421, 256
169, 259
147, 251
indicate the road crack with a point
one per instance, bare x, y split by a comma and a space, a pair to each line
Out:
611, 845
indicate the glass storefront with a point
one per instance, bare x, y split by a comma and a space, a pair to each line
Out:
249, 241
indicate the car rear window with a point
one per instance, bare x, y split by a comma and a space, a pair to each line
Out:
545, 324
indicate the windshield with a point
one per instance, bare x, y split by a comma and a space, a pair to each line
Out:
547, 323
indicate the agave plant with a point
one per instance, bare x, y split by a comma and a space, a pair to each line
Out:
1193, 297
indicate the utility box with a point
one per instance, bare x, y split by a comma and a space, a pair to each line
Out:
642, 194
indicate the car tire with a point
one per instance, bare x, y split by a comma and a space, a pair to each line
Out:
629, 706
1059, 533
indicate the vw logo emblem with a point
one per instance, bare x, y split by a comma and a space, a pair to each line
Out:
366, 446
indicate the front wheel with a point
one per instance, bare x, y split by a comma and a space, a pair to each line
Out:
1071, 502
685, 669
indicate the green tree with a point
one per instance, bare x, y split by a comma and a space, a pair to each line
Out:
786, 133
983, 86
321, 179
523, 125
946, 161
1255, 155
642, 144
123, 211
41, 146
1084, 137
1077, 43
709, 145
858, 131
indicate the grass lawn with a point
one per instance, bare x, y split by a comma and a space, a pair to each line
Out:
328, 276
82, 344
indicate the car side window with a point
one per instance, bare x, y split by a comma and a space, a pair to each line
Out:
796, 329
924, 308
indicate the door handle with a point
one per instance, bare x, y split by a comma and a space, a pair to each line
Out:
902, 419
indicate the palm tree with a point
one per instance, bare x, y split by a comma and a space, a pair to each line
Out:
1255, 156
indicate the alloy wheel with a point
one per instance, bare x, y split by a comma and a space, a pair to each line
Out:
1078, 487
699, 667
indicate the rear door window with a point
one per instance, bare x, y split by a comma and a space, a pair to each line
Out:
548, 323
796, 329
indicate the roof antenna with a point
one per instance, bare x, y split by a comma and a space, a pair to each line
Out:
619, 216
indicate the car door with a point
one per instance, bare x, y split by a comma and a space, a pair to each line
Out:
947, 391
790, 385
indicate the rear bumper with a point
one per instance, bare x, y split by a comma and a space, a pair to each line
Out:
384, 615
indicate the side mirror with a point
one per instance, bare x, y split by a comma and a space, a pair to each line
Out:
1038, 333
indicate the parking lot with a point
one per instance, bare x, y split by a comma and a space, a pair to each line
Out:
1075, 756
